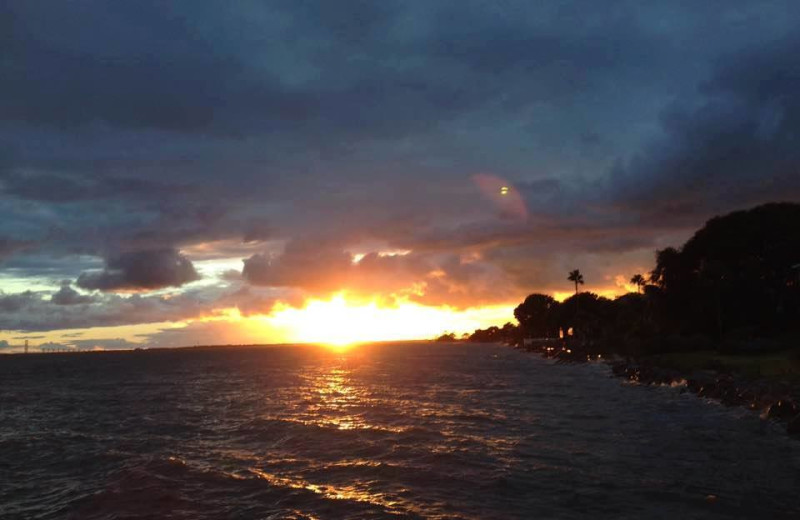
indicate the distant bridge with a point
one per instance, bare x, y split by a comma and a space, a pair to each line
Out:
60, 350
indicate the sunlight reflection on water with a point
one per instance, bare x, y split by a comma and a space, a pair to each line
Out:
414, 431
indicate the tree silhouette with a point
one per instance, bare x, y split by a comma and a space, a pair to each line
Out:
733, 286
577, 277
537, 316
669, 271
639, 281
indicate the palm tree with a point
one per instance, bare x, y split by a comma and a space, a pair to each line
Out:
639, 281
577, 277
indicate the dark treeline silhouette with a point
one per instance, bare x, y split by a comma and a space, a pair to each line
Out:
508, 333
734, 287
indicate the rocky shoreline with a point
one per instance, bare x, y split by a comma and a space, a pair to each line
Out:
775, 400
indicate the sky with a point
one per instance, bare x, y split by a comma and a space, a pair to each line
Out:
197, 172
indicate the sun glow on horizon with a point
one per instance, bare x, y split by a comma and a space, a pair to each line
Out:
606, 292
339, 322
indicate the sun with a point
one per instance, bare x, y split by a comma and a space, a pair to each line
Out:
340, 323
336, 323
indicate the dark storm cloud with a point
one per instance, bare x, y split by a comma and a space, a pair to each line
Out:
138, 270
733, 143
69, 187
152, 128
734, 147
122, 64
187, 68
309, 71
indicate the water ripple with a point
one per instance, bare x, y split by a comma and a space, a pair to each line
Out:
390, 431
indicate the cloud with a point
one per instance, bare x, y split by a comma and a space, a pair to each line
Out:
16, 302
734, 147
468, 282
61, 187
258, 301
204, 333
103, 344
150, 269
387, 274
436, 279
29, 312
306, 264
10, 246
138, 136
66, 295
36, 314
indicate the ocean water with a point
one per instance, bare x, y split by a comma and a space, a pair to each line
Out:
416, 430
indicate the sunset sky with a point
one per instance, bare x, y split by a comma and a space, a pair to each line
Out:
192, 172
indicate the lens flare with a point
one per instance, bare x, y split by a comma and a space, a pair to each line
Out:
506, 201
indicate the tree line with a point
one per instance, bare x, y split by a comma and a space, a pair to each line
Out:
733, 286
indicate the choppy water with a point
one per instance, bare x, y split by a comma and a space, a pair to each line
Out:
412, 431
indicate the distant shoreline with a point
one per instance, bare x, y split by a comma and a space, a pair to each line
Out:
208, 347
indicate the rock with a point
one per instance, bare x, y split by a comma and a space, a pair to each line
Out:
728, 391
698, 380
708, 390
619, 369
793, 428
783, 409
